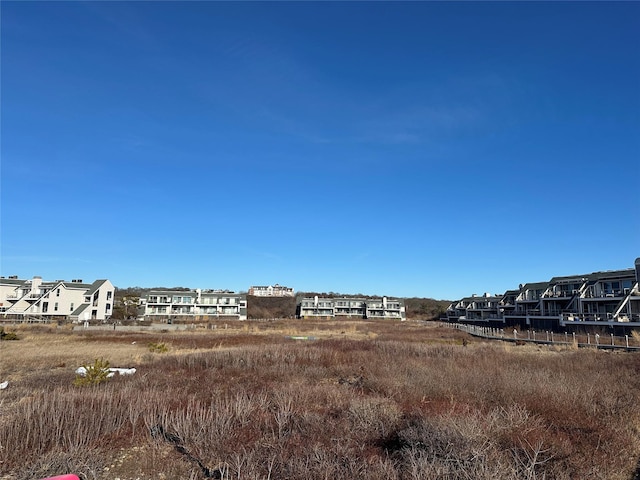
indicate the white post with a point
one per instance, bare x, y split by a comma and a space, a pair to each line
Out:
626, 337
588, 338
612, 339
574, 338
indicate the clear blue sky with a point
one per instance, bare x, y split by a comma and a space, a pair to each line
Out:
407, 149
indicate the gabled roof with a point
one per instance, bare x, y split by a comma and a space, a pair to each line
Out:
95, 286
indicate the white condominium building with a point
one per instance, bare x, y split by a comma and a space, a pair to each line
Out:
36, 299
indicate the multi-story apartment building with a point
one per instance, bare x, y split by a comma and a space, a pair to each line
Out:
271, 291
166, 305
610, 298
36, 299
346, 307
481, 308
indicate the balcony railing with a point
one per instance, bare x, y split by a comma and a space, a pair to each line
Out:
601, 317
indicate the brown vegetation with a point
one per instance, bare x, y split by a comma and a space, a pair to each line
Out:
374, 400
425, 308
270, 307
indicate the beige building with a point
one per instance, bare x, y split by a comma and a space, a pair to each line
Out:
38, 300
271, 291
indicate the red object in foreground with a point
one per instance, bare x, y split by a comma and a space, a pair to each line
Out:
69, 476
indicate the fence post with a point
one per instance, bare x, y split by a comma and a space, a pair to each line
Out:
626, 337
597, 335
588, 338
547, 335
566, 340
612, 340
534, 335
574, 338
551, 337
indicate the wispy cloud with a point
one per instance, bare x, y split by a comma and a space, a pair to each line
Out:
419, 124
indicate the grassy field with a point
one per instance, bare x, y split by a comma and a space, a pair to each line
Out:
355, 400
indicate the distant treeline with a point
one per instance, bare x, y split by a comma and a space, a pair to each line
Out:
285, 307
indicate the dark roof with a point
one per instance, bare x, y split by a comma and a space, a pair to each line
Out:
79, 310
629, 272
569, 279
94, 287
81, 286
172, 292
534, 286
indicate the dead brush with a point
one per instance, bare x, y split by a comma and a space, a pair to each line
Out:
273, 408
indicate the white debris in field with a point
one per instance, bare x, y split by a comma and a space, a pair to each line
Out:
4, 385
82, 371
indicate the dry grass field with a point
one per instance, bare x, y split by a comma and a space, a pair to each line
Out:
355, 400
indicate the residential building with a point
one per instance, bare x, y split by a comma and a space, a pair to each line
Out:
310, 307
481, 308
191, 305
349, 307
609, 298
38, 300
271, 291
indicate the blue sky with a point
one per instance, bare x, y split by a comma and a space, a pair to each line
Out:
407, 149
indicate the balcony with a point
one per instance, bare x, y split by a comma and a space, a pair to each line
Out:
601, 317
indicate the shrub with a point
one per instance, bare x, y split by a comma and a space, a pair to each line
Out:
7, 335
94, 374
158, 347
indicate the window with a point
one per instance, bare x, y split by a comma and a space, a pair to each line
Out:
106, 309
55, 307
71, 307
58, 292
45, 307
109, 295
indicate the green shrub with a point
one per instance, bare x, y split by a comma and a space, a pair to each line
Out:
95, 373
7, 335
158, 347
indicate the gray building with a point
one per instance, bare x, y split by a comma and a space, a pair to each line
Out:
165, 305
610, 298
349, 307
